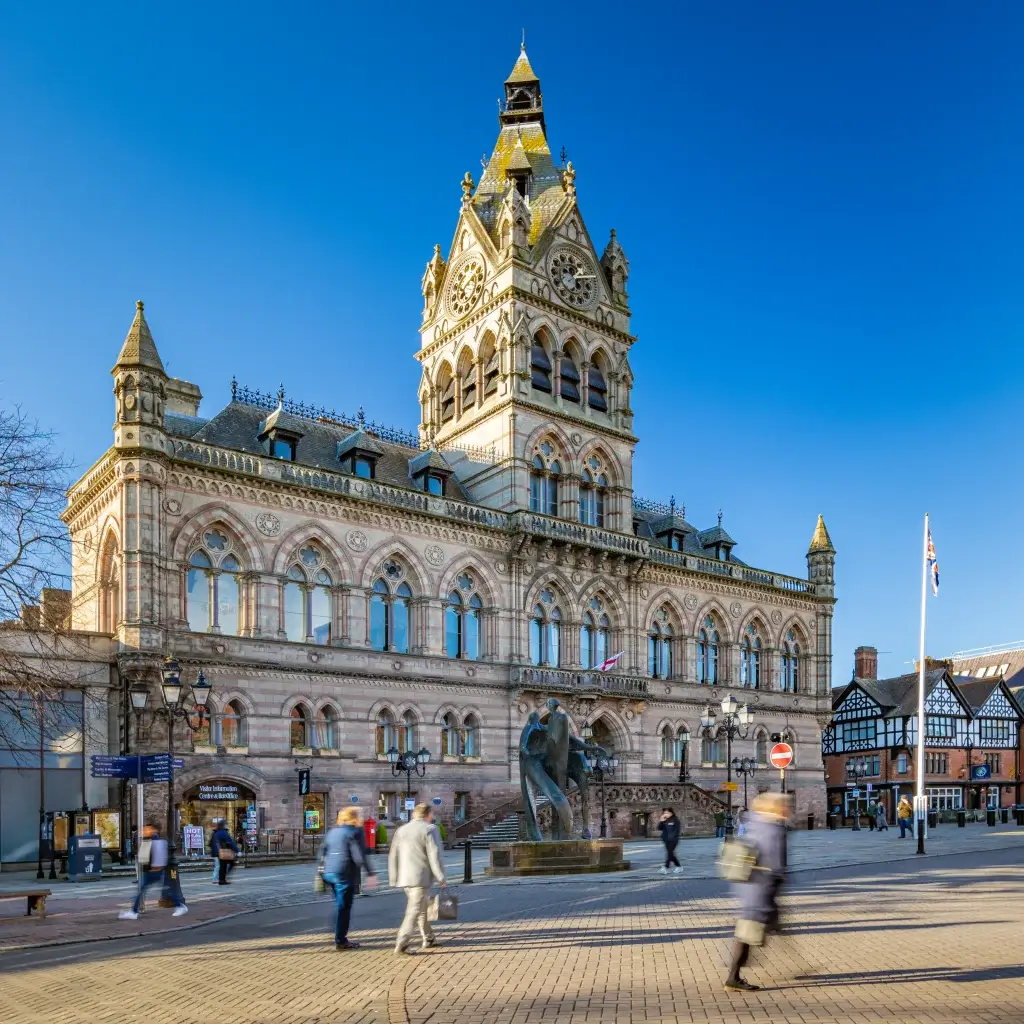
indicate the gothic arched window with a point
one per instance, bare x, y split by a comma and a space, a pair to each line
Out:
594, 635
110, 583
540, 366
462, 621
471, 736
213, 591
407, 732
569, 376
327, 737
446, 392
308, 600
593, 488
450, 746
597, 387
299, 729
490, 360
761, 749
389, 611
232, 725
387, 732
750, 658
707, 652
546, 631
660, 646
544, 473
791, 663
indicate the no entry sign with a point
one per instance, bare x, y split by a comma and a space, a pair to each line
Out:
781, 755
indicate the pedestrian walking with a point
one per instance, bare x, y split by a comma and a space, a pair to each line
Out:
720, 825
414, 864
767, 824
880, 817
905, 816
152, 859
343, 859
670, 827
224, 850
216, 863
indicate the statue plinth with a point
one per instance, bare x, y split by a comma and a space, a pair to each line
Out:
557, 857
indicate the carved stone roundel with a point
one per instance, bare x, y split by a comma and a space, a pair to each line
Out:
690, 602
434, 554
172, 507
267, 523
356, 540
776, 616
735, 609
572, 274
465, 285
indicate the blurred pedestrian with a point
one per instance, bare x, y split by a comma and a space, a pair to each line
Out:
414, 864
670, 829
720, 825
224, 850
905, 816
880, 817
872, 816
343, 859
216, 863
152, 858
765, 834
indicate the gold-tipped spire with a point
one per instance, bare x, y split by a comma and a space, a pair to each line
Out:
139, 348
521, 70
821, 541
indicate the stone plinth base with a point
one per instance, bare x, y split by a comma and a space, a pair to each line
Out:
557, 857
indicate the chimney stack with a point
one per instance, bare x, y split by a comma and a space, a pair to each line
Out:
865, 662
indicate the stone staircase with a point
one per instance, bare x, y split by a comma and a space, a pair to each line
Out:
506, 830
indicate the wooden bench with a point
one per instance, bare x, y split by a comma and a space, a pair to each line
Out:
36, 900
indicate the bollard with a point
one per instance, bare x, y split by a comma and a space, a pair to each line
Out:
467, 872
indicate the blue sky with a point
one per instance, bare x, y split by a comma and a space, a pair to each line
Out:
821, 204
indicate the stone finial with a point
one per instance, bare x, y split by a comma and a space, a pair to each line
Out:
569, 179
467, 187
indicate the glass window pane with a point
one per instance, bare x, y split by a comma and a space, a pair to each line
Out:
554, 639
535, 644
471, 641
452, 631
227, 603
320, 616
378, 624
585, 647
400, 615
652, 656
198, 601
298, 728
294, 613
602, 647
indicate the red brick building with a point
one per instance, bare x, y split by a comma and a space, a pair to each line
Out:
972, 739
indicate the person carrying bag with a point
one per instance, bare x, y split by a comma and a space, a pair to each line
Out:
343, 859
223, 849
414, 864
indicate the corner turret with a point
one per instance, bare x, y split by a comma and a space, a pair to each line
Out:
140, 389
821, 560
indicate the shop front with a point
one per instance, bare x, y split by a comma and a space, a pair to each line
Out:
208, 801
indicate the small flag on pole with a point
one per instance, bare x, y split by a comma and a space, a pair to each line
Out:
933, 565
609, 663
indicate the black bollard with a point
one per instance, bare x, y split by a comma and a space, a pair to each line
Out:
467, 873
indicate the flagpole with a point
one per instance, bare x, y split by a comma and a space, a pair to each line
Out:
919, 801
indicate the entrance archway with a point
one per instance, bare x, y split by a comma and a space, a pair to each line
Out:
216, 799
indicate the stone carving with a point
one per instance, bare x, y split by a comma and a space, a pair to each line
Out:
87, 542
267, 523
434, 554
172, 507
690, 602
356, 540
577, 578
549, 757
576, 438
501, 567
776, 616
735, 609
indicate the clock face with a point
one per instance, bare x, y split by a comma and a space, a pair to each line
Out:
572, 274
466, 285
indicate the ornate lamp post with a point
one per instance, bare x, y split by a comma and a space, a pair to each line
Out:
745, 766
172, 710
856, 770
409, 763
683, 739
735, 723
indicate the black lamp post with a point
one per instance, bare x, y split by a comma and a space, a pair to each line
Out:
683, 740
409, 763
171, 710
745, 766
602, 766
856, 770
735, 723
969, 747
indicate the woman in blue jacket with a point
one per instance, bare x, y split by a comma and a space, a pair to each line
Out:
221, 840
343, 858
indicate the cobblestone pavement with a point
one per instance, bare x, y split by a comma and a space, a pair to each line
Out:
918, 940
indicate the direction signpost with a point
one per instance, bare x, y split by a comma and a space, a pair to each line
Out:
781, 756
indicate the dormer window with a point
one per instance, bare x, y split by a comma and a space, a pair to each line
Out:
675, 542
281, 432
430, 472
362, 466
358, 454
282, 447
434, 484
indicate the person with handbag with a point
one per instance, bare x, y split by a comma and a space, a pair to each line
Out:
414, 864
343, 858
223, 849
152, 861
765, 839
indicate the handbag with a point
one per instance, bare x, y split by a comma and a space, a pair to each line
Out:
736, 861
319, 885
750, 932
443, 907
226, 853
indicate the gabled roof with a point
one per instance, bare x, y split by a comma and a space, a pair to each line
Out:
716, 535
978, 691
897, 697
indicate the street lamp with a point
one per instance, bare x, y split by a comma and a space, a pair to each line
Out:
735, 723
602, 766
171, 687
969, 747
856, 770
683, 739
409, 763
745, 766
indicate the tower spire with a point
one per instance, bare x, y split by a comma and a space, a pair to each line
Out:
139, 348
821, 541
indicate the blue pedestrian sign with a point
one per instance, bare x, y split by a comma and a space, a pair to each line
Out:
154, 767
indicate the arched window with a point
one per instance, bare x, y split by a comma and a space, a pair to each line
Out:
540, 366
213, 591
450, 739
110, 582
327, 737
750, 658
569, 375
660, 646
593, 491
462, 621
446, 390
707, 652
389, 611
232, 725
490, 359
471, 736
387, 732
712, 751
299, 728
597, 390
407, 733
594, 635
791, 663
761, 750
546, 631
308, 599
544, 475
668, 746
467, 379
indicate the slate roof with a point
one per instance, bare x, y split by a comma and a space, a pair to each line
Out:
651, 522
237, 426
896, 696
978, 691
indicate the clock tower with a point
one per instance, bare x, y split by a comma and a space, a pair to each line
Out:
525, 336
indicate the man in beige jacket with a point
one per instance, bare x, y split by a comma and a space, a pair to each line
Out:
414, 864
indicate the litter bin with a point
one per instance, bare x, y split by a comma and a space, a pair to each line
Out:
933, 820
1020, 815
833, 822
1004, 815
961, 819
85, 858
990, 817
810, 822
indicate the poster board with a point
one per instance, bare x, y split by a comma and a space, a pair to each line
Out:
314, 814
106, 823
193, 840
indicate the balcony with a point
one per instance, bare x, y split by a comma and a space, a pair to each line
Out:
564, 531
567, 680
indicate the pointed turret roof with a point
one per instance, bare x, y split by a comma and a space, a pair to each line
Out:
139, 348
821, 541
521, 70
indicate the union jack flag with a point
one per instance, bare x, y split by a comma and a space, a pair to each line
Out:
933, 565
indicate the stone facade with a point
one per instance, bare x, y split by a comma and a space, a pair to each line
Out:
278, 547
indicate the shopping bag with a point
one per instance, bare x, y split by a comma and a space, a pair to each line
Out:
443, 907
319, 885
736, 860
226, 853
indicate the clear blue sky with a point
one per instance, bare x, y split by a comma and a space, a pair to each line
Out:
821, 203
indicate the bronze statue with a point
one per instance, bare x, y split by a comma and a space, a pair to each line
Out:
549, 757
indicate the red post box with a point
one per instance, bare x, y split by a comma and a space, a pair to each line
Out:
370, 825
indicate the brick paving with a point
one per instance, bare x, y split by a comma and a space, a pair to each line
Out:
925, 941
